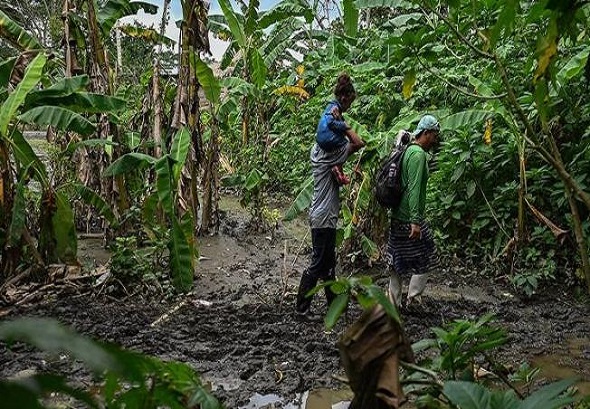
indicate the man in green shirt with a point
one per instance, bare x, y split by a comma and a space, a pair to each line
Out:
411, 248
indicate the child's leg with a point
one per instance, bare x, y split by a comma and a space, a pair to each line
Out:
338, 172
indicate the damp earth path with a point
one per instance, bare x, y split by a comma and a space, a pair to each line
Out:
238, 329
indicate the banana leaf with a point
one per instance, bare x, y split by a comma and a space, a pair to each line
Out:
30, 79
59, 118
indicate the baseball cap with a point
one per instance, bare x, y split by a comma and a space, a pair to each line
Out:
427, 123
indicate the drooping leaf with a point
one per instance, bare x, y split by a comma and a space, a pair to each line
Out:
128, 162
83, 102
253, 180
19, 214
370, 248
547, 49
164, 185
62, 88
210, 84
233, 23
302, 201
409, 81
179, 151
279, 40
335, 311
147, 34
59, 118
285, 9
23, 152
92, 198
181, 261
30, 79
378, 294
113, 10
16, 35
257, 68
64, 229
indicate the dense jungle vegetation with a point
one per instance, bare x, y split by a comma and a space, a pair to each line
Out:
145, 131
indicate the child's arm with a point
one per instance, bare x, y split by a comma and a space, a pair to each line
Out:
336, 121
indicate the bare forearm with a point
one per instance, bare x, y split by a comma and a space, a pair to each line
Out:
355, 141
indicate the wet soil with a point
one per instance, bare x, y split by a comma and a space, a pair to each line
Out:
239, 331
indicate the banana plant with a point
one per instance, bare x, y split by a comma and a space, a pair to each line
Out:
165, 192
60, 106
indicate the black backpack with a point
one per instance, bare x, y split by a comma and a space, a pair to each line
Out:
388, 182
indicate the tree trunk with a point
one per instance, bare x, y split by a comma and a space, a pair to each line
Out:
9, 255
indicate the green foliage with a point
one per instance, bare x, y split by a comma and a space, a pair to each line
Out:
460, 343
472, 396
360, 289
182, 248
123, 378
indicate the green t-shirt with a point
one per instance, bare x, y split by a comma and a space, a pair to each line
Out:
414, 178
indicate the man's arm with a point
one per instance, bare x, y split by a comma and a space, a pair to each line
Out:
355, 141
416, 171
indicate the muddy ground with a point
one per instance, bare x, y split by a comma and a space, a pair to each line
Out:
257, 353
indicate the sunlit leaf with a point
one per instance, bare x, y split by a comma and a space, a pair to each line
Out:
30, 79
409, 81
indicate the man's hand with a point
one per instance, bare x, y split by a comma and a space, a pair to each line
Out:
355, 141
415, 232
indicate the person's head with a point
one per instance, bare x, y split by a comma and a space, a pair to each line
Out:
344, 91
427, 132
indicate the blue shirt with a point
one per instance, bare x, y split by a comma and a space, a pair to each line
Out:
331, 132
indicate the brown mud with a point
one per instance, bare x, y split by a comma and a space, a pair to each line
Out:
239, 331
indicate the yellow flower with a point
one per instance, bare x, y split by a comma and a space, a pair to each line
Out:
300, 69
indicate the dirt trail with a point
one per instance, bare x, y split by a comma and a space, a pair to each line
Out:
246, 340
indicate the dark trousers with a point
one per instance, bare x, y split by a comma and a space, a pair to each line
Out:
322, 267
